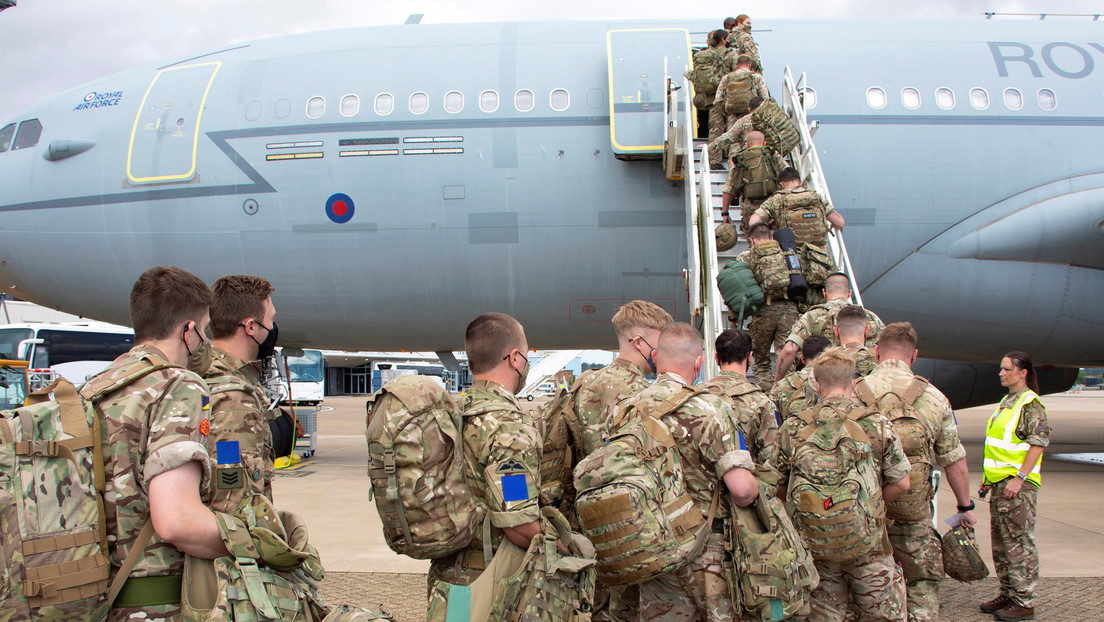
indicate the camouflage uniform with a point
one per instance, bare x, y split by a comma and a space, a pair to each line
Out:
595, 403
745, 43
820, 319
758, 86
773, 208
795, 393
239, 413
710, 444
734, 182
496, 444
149, 427
754, 411
864, 358
916, 545
873, 582
734, 137
716, 116
1012, 521
770, 325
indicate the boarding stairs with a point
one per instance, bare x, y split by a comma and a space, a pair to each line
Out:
687, 158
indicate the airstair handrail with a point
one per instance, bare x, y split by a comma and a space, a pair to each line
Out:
807, 160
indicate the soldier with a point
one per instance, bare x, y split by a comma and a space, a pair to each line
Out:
772, 323
155, 463
752, 176
243, 324
1015, 438
502, 450
755, 412
745, 43
929, 436
712, 450
819, 320
795, 392
850, 330
803, 211
736, 89
735, 137
710, 65
637, 325
871, 580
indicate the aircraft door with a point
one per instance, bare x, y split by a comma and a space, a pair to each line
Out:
637, 86
165, 134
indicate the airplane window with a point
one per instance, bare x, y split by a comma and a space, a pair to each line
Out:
253, 111
315, 107
524, 100
27, 136
419, 103
876, 98
385, 103
454, 101
979, 98
596, 99
944, 97
6, 136
1013, 99
350, 105
282, 109
559, 99
910, 97
809, 98
1047, 99
488, 101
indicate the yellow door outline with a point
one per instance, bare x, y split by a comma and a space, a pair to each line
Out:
195, 136
609, 68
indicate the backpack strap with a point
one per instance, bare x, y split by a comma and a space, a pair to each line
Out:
865, 393
133, 555
914, 390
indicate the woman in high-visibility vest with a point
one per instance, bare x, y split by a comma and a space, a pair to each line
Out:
1015, 437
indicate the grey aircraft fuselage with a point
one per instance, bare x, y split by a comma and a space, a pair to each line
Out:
309, 160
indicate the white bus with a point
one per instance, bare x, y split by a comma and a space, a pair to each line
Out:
307, 371
76, 350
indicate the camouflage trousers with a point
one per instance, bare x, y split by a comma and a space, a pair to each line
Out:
873, 583
616, 604
697, 591
716, 128
154, 613
917, 549
1015, 556
442, 575
770, 325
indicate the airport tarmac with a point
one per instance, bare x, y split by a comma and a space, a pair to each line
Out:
330, 492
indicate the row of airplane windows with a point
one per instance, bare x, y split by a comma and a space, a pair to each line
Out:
1014, 99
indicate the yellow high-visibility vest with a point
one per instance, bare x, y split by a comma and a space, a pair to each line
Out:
1004, 451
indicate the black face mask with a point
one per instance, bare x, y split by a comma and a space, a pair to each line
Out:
267, 347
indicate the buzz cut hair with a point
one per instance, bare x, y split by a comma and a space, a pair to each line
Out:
680, 342
237, 297
837, 283
834, 368
733, 346
851, 320
744, 60
639, 315
489, 338
813, 346
789, 174
163, 298
759, 232
898, 337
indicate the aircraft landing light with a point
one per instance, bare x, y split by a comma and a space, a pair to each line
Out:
310, 143
368, 152
433, 151
311, 155
433, 139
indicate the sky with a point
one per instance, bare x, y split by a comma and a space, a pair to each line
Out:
49, 46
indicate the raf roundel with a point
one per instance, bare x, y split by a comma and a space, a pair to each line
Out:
340, 208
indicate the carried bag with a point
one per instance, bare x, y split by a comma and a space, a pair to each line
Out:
739, 289
416, 468
562, 447
777, 127
816, 264
768, 263
738, 92
962, 559
759, 168
803, 211
709, 68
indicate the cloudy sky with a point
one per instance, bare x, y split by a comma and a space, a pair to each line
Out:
49, 46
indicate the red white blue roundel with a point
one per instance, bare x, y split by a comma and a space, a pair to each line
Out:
340, 208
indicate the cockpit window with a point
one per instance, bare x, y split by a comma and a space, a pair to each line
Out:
27, 136
6, 136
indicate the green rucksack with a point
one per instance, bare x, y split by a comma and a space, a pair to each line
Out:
738, 92
768, 263
835, 494
816, 264
776, 126
416, 468
632, 501
739, 289
709, 68
562, 447
759, 168
771, 573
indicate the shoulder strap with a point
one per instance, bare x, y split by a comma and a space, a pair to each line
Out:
133, 555
914, 390
865, 393
99, 387
684, 394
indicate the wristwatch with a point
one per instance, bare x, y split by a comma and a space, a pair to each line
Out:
1021, 475
966, 508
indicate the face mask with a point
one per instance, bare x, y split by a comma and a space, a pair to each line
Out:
199, 360
650, 358
747, 28
523, 377
267, 347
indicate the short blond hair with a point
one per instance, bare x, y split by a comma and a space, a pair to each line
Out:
898, 337
680, 342
834, 369
637, 315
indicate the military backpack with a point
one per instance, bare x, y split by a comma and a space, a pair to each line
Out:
416, 468
804, 212
899, 406
759, 168
739, 289
961, 558
768, 264
632, 500
835, 494
738, 92
777, 127
709, 68
562, 447
816, 264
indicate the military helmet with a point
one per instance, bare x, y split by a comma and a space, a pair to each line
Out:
726, 236
961, 558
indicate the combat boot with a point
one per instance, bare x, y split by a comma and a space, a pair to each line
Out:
1012, 611
996, 604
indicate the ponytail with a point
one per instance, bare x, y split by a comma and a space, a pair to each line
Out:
1022, 360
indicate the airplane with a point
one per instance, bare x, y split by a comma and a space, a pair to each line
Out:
394, 182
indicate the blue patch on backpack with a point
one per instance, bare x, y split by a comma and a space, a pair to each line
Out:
515, 488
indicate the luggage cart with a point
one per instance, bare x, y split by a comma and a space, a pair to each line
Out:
308, 416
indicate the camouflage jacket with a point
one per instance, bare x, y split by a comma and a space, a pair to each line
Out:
864, 358
1033, 427
239, 413
795, 393
745, 43
754, 411
707, 435
733, 139
598, 397
149, 427
889, 458
822, 318
932, 407
759, 85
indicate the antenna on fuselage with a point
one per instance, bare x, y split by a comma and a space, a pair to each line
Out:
415, 18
